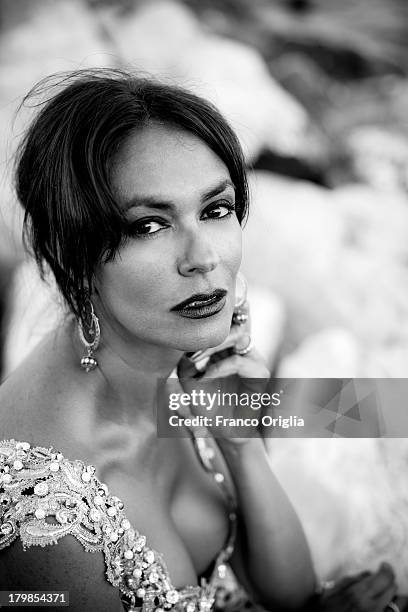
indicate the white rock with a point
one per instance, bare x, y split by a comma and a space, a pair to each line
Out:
351, 496
319, 250
166, 39
331, 353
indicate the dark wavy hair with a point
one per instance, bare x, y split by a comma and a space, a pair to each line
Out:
72, 221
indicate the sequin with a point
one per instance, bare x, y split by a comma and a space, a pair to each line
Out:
62, 516
149, 556
70, 492
40, 513
94, 515
172, 596
140, 542
41, 489
131, 582
222, 570
23, 446
6, 528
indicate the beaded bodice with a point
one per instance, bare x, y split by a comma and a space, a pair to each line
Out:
44, 497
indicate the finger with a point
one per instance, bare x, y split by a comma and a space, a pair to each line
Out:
186, 368
237, 333
226, 367
246, 366
381, 580
347, 581
365, 599
380, 603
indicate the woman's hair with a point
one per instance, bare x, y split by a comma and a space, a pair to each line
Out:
72, 220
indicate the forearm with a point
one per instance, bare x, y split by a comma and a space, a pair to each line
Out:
278, 564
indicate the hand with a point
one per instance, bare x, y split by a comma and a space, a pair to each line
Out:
366, 592
230, 373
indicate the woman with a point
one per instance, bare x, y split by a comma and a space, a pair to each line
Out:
134, 194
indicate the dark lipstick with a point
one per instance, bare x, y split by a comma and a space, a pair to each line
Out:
202, 305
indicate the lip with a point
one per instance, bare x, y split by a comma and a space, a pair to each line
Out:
202, 305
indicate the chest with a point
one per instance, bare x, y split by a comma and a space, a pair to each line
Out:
179, 508
167, 494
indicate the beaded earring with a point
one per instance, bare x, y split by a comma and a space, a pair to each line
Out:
240, 315
88, 361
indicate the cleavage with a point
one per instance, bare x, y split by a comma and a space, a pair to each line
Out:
181, 511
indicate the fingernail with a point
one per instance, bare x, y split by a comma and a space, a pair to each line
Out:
197, 356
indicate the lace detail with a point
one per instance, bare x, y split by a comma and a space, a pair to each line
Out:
44, 497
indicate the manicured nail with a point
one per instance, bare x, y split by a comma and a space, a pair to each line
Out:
198, 356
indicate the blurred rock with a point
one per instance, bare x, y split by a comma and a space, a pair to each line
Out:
164, 38
330, 353
39, 44
33, 44
305, 80
380, 157
34, 309
351, 496
294, 167
338, 258
345, 62
268, 318
347, 39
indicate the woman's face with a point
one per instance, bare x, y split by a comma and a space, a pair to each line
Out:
172, 283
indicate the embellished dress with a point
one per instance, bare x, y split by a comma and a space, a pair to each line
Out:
44, 497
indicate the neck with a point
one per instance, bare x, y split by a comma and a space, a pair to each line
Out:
127, 377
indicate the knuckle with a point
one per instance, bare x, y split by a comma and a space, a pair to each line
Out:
235, 361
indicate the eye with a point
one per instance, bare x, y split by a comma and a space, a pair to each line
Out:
145, 227
219, 210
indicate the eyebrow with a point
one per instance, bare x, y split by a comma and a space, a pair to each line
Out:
152, 202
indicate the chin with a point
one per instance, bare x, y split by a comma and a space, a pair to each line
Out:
207, 336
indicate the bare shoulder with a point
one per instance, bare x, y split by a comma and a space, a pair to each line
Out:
65, 566
34, 396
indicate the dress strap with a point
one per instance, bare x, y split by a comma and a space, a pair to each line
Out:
206, 455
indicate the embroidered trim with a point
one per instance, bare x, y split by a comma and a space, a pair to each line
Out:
44, 497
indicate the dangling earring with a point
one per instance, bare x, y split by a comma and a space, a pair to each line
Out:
240, 315
88, 361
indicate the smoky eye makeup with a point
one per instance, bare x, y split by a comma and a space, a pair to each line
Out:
145, 226
220, 209
150, 225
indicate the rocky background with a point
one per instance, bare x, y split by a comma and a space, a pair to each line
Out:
318, 92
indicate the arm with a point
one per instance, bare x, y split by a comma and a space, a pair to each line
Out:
272, 559
65, 566
277, 566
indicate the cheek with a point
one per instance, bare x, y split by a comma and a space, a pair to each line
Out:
231, 248
133, 280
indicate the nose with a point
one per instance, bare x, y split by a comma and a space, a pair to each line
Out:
198, 255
